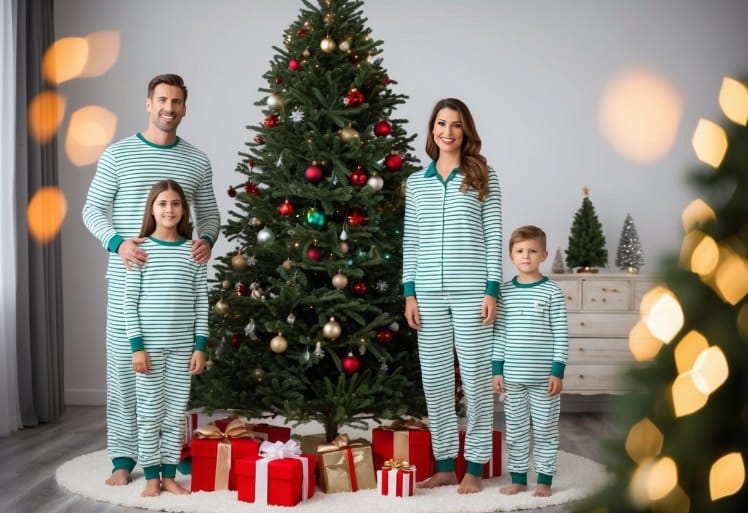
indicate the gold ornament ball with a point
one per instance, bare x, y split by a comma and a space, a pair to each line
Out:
340, 281
327, 45
222, 308
278, 343
274, 102
239, 262
331, 330
343, 245
287, 264
345, 45
226, 284
348, 134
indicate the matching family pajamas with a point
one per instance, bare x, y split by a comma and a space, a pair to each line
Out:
166, 314
125, 174
451, 260
531, 344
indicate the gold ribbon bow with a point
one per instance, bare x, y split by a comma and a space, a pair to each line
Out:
393, 464
339, 442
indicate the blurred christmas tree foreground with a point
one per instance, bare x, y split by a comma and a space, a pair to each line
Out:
684, 427
306, 318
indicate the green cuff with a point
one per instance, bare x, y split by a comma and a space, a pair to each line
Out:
136, 344
123, 463
447, 465
519, 478
152, 472
168, 470
409, 289
492, 288
497, 367
474, 469
210, 241
114, 243
545, 479
557, 369
201, 343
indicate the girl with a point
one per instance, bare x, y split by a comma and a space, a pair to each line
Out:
451, 277
166, 319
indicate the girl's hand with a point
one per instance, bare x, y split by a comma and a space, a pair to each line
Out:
555, 385
141, 362
197, 363
498, 384
488, 310
411, 313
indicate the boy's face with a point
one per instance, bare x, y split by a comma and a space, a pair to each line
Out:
527, 255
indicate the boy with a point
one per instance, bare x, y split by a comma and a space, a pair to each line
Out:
529, 358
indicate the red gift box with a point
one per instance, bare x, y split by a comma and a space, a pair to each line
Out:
396, 482
490, 469
411, 444
275, 433
279, 476
214, 455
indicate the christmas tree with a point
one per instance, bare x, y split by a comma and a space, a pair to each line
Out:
558, 262
586, 249
683, 443
306, 320
629, 255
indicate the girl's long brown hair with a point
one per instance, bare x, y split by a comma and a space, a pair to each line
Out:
473, 165
148, 226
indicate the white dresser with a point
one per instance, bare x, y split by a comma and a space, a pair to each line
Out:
602, 308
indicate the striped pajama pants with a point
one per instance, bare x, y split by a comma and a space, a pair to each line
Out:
453, 319
527, 408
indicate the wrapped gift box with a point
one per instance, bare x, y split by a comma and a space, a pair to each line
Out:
309, 443
214, 454
490, 469
345, 467
404, 444
277, 481
394, 480
274, 433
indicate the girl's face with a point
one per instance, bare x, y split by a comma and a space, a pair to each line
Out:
167, 209
447, 131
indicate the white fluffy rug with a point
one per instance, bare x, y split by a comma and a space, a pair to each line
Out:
577, 478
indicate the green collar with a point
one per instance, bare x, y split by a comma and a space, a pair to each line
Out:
528, 285
167, 242
161, 146
431, 171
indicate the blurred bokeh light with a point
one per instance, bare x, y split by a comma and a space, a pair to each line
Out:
46, 111
733, 98
90, 131
726, 476
709, 142
45, 213
69, 58
639, 113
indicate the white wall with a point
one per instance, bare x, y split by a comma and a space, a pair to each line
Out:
532, 73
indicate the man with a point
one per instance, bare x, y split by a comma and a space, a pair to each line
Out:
113, 212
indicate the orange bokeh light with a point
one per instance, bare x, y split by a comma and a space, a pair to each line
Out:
65, 59
45, 213
91, 129
103, 51
45, 114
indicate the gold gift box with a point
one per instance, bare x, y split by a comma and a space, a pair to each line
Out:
335, 468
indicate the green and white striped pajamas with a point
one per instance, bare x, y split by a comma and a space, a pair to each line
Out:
113, 212
531, 344
166, 314
451, 260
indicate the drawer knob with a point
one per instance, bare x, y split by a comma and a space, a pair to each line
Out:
581, 376
569, 298
603, 300
581, 323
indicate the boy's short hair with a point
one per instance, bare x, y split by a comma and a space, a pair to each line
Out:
527, 232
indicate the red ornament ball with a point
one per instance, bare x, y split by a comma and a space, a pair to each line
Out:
252, 163
314, 253
384, 336
236, 340
285, 208
250, 188
382, 128
259, 139
314, 173
354, 98
357, 217
271, 121
278, 80
351, 363
358, 177
241, 289
360, 287
231, 192
393, 162
294, 65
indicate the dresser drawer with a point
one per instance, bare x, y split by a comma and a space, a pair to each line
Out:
572, 293
606, 295
593, 379
601, 324
641, 287
599, 350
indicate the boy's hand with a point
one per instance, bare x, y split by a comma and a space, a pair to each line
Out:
141, 363
555, 385
498, 384
197, 363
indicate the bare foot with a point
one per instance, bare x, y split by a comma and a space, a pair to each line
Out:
513, 488
470, 484
172, 486
542, 491
152, 488
439, 479
119, 477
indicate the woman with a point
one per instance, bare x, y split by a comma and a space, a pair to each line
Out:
451, 278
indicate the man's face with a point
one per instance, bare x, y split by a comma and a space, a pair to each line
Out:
166, 107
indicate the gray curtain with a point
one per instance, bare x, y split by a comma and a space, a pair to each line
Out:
39, 280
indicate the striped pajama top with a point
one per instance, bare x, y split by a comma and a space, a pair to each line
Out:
531, 331
451, 241
166, 300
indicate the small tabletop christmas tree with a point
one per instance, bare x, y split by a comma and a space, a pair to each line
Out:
586, 249
307, 311
558, 262
629, 256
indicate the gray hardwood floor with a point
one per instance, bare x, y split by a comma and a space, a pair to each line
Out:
29, 458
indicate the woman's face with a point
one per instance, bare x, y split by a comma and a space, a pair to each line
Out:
447, 131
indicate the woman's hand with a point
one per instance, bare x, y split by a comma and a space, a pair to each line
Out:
488, 310
411, 313
141, 363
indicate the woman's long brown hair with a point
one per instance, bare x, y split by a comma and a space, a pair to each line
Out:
148, 226
473, 165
